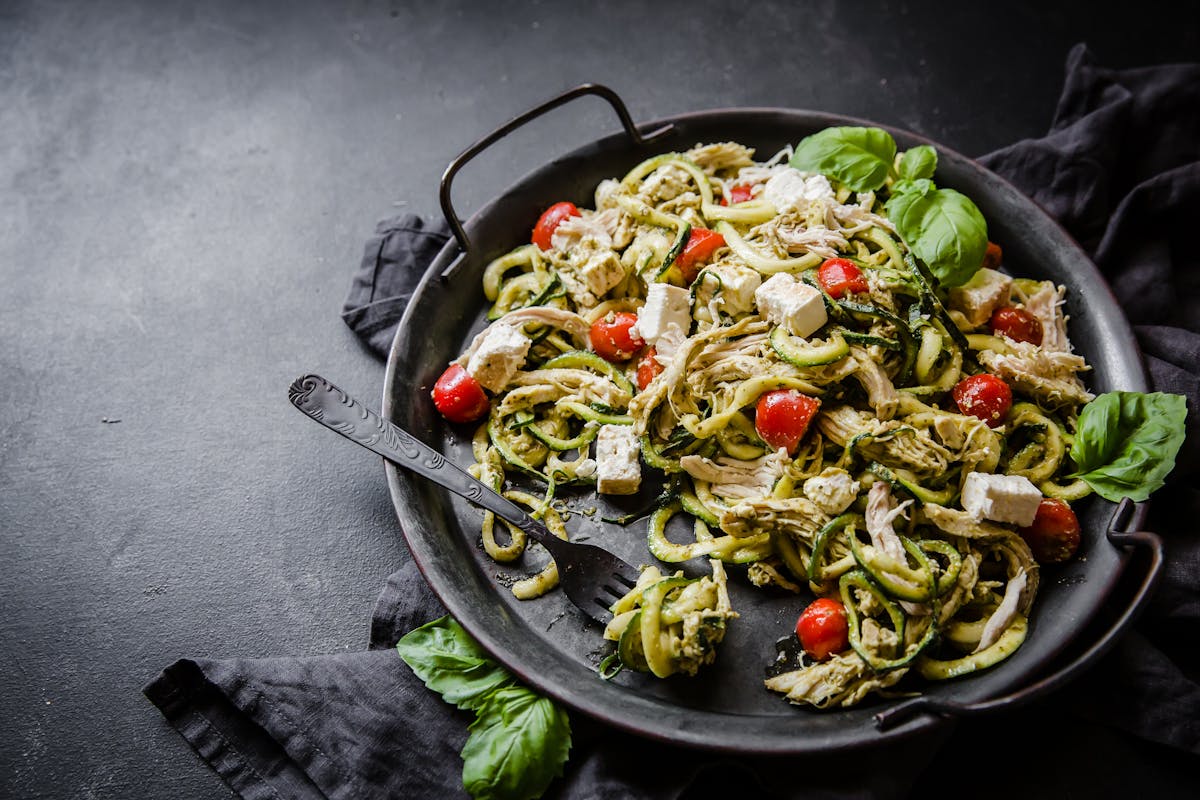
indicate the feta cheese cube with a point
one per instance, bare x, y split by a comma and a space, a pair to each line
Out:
790, 187
1002, 498
668, 344
666, 305
618, 470
602, 272
591, 270
784, 301
499, 355
832, 491
979, 297
738, 285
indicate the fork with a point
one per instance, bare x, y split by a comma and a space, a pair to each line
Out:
591, 577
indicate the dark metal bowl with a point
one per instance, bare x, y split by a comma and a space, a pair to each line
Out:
546, 642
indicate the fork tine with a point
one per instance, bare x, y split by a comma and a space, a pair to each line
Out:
614, 591
623, 577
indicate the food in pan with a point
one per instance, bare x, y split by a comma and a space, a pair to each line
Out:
822, 360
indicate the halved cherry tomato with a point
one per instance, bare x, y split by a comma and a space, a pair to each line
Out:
823, 629
648, 369
614, 337
782, 417
701, 244
840, 276
993, 256
983, 396
1017, 324
458, 396
1054, 535
738, 193
551, 218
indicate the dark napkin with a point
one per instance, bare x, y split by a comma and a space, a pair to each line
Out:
1120, 169
393, 261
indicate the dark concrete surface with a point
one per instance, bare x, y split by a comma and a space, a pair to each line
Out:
184, 191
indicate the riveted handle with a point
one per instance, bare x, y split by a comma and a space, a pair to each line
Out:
604, 92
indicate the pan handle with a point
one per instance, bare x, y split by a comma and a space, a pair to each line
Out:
615, 101
1127, 516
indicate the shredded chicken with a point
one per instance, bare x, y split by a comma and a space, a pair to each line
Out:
721, 156
600, 225
796, 516
768, 573
589, 386
843, 680
859, 216
1047, 375
881, 393
960, 523
666, 387
964, 588
891, 443
822, 241
880, 517
1004, 614
1046, 304
879, 640
734, 478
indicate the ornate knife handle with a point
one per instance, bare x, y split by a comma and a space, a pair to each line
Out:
338, 411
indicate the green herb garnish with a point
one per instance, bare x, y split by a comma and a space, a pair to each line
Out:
519, 740
1126, 442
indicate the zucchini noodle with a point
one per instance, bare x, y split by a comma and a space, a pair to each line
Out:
867, 507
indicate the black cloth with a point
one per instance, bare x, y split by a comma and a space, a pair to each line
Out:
1120, 168
393, 261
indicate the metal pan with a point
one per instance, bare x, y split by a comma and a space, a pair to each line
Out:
548, 644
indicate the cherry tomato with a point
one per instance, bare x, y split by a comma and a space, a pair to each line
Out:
739, 193
1017, 324
458, 396
1054, 535
839, 277
701, 244
984, 396
648, 369
993, 256
551, 218
823, 629
782, 417
614, 338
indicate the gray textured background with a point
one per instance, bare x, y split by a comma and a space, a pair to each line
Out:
184, 191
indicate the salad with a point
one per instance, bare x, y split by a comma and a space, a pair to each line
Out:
822, 360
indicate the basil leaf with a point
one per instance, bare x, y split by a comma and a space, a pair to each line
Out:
451, 663
1126, 442
919, 162
518, 745
942, 227
859, 158
920, 186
